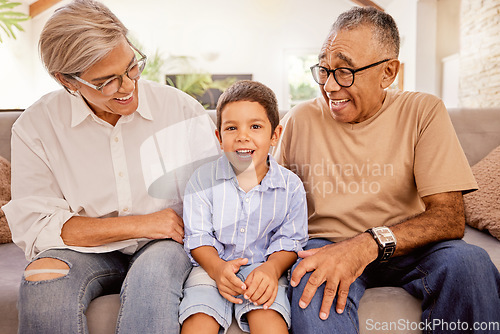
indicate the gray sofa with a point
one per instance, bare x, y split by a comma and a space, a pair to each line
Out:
479, 133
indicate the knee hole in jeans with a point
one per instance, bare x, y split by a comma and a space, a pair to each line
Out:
45, 269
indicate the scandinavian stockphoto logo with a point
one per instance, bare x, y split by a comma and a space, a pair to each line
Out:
326, 178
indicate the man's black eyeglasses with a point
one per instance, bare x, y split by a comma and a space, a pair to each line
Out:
344, 76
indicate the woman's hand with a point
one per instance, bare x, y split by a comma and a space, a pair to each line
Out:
162, 225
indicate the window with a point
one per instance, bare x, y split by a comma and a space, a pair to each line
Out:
299, 81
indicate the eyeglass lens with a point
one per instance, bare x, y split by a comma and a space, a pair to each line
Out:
343, 76
115, 83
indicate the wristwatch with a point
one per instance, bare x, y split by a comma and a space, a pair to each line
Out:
386, 242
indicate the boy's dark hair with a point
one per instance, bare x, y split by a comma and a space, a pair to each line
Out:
251, 91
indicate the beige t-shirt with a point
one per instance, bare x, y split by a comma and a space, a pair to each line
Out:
375, 172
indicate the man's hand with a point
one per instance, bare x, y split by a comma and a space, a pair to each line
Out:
338, 265
262, 285
228, 283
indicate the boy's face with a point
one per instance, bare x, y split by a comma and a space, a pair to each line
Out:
246, 136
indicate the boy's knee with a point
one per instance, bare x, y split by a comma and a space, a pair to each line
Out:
45, 269
200, 322
266, 321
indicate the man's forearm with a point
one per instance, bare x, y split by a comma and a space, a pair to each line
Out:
443, 219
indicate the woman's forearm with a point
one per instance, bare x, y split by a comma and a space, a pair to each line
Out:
89, 232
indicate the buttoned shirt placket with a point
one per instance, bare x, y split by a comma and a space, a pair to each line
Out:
243, 221
118, 157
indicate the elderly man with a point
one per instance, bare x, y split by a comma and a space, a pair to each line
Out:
384, 174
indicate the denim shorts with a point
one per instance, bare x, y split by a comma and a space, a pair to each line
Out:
202, 296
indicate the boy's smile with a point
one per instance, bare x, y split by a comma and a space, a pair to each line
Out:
246, 136
244, 154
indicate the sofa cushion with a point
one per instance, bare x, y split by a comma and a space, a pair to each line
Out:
12, 263
482, 207
477, 130
5, 235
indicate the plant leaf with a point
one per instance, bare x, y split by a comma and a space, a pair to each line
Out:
10, 19
8, 5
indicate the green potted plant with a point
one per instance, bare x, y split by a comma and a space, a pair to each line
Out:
199, 84
10, 19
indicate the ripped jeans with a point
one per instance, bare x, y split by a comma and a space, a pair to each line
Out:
150, 285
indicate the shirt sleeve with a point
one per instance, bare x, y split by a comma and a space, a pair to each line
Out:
292, 234
37, 210
197, 216
440, 163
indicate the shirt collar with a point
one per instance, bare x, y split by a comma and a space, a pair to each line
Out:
224, 170
80, 110
143, 109
273, 179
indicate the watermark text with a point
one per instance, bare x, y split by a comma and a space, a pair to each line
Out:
437, 325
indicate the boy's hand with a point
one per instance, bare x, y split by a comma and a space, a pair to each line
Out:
262, 285
228, 283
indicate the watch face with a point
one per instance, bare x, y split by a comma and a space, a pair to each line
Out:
385, 236
385, 240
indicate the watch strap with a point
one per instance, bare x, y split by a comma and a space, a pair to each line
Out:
386, 249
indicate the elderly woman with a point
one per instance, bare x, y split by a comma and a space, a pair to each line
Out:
99, 170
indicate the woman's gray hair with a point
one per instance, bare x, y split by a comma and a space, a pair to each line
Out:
385, 28
79, 35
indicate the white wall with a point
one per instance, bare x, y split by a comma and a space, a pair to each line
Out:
24, 77
418, 29
251, 36
479, 69
448, 45
244, 36
404, 12
451, 79
426, 79
430, 32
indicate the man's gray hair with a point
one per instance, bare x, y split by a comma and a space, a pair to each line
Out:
385, 28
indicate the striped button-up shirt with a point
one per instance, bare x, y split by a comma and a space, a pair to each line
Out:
269, 218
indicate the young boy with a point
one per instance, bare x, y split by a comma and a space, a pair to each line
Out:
245, 220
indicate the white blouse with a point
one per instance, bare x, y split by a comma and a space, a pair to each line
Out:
68, 162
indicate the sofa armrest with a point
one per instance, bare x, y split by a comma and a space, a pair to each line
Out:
7, 118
